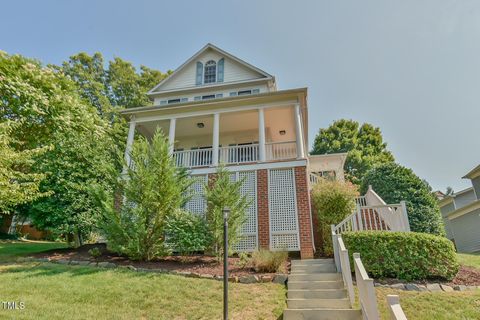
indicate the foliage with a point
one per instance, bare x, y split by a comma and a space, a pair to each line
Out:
46, 110
333, 201
395, 183
244, 259
154, 188
364, 145
95, 252
220, 194
404, 255
269, 261
18, 185
187, 232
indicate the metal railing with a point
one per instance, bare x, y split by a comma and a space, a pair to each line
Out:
281, 150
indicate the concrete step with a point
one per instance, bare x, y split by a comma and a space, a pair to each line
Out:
314, 276
312, 285
312, 261
317, 294
318, 303
315, 268
322, 314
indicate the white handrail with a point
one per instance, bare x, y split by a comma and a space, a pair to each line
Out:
345, 267
281, 150
396, 311
239, 154
193, 158
366, 290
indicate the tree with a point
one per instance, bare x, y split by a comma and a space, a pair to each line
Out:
46, 110
222, 192
364, 145
153, 189
333, 201
18, 185
395, 183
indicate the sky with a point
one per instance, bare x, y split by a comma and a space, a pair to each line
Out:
410, 67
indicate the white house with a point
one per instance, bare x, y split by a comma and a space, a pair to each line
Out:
217, 108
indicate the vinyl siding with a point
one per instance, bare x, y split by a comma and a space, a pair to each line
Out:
465, 198
476, 186
445, 210
466, 231
233, 71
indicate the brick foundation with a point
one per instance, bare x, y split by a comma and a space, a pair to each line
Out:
262, 209
303, 210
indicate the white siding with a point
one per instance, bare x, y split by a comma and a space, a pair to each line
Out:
233, 72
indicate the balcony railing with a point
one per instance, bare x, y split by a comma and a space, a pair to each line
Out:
236, 154
281, 150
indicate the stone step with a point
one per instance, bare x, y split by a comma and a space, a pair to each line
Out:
318, 303
314, 276
312, 285
322, 314
312, 262
317, 294
313, 268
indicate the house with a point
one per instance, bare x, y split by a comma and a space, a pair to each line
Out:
461, 214
218, 109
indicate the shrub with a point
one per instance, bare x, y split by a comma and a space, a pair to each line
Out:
395, 183
222, 193
154, 188
187, 232
333, 201
403, 255
95, 252
269, 261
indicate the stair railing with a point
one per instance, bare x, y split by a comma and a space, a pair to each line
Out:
342, 262
366, 290
396, 311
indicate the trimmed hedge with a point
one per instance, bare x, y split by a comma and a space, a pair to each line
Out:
403, 255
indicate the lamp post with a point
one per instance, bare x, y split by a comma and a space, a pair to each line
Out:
226, 211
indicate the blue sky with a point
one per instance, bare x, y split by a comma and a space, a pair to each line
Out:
410, 67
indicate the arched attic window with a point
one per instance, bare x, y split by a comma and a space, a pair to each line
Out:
210, 73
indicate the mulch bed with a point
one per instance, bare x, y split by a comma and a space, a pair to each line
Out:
199, 264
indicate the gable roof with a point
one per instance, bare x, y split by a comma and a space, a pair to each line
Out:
475, 172
200, 52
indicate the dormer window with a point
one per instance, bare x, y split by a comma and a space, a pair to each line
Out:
210, 73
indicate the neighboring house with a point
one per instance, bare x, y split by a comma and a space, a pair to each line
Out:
461, 214
218, 109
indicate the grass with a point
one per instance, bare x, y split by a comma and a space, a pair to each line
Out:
14, 249
469, 259
52, 291
432, 305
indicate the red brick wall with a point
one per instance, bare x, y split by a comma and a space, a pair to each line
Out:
262, 209
303, 210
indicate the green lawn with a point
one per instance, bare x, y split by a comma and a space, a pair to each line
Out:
14, 249
469, 259
52, 291
433, 305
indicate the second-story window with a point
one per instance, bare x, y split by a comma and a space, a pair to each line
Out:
210, 73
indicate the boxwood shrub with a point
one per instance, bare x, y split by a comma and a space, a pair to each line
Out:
403, 255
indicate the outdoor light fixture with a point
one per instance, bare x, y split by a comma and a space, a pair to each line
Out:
226, 212
200, 125
282, 132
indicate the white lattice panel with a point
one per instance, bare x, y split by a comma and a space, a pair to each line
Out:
248, 231
282, 206
197, 203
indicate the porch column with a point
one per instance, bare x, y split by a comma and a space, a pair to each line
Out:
131, 135
261, 134
171, 135
298, 127
216, 138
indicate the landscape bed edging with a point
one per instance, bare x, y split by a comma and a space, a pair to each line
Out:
431, 287
279, 278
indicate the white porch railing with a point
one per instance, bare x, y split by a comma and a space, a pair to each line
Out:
239, 154
281, 150
396, 311
366, 290
343, 263
193, 158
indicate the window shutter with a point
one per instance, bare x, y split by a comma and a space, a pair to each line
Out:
220, 67
199, 77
